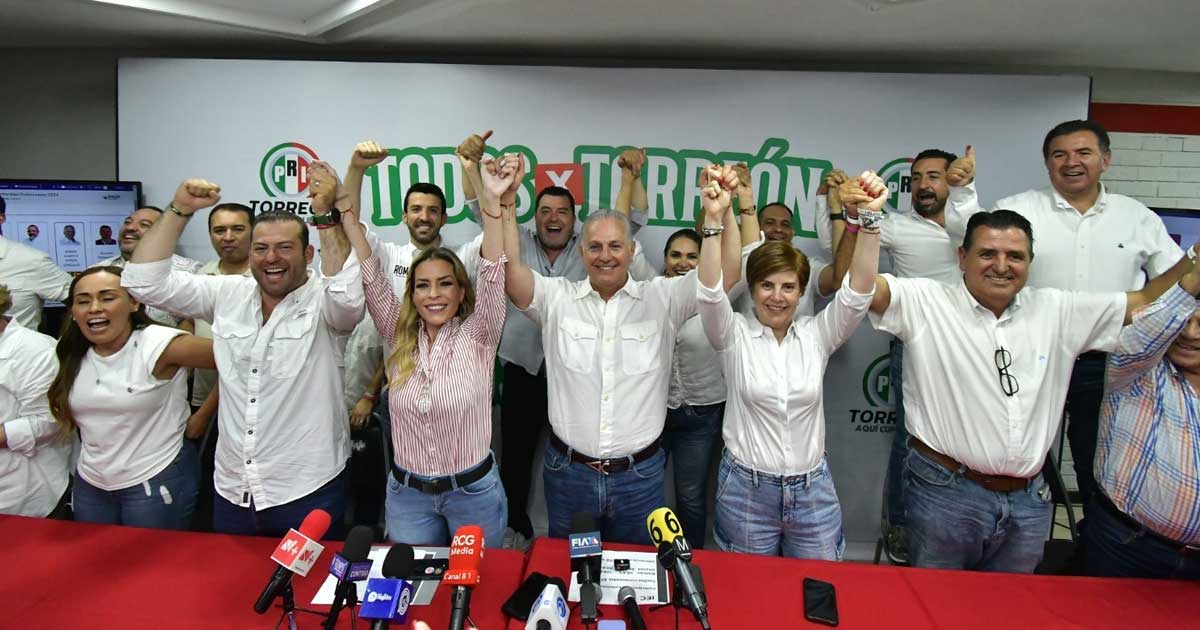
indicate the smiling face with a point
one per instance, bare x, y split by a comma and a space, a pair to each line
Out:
775, 299
436, 292
424, 216
1184, 352
776, 223
32, 231
102, 310
555, 221
682, 256
929, 188
606, 253
133, 228
278, 258
1075, 162
996, 266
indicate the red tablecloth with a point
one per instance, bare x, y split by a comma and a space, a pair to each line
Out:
62, 574
759, 592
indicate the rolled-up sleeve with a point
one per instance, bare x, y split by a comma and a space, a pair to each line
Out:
161, 285
342, 299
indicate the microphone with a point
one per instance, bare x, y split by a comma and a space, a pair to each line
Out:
585, 559
349, 566
675, 554
296, 553
550, 611
466, 551
387, 598
628, 598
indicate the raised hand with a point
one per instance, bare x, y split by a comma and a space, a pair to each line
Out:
470, 151
323, 187
873, 185
832, 180
632, 161
499, 176
962, 170
717, 184
851, 193
509, 198
194, 194
367, 153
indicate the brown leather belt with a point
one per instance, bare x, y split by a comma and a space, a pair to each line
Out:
605, 466
995, 483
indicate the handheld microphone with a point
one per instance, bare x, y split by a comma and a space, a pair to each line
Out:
296, 553
466, 551
628, 598
387, 598
675, 554
585, 560
550, 611
349, 566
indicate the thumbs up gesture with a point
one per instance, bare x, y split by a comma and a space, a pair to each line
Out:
962, 170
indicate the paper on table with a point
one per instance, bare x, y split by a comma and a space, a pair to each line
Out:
423, 589
648, 579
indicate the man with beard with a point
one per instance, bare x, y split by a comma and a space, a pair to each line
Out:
1090, 240
132, 230
278, 339
920, 248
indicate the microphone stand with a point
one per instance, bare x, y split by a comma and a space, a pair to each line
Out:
289, 608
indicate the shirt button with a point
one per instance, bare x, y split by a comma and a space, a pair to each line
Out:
247, 461
250, 432
254, 371
253, 400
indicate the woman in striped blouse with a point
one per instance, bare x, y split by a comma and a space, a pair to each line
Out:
442, 336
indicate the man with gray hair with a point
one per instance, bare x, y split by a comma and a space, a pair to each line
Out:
608, 340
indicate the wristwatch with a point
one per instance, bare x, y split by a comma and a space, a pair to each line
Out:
334, 217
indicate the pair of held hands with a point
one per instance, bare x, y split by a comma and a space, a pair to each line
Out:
719, 183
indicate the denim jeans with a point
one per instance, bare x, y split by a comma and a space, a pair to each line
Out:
899, 450
1084, 396
798, 515
690, 439
1114, 549
955, 523
620, 502
229, 518
417, 518
165, 501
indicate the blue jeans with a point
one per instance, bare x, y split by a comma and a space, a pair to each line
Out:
895, 468
165, 501
417, 518
229, 518
955, 523
690, 439
1115, 549
798, 515
1084, 397
620, 502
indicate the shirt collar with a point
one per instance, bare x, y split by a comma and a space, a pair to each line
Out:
758, 329
1062, 204
632, 288
1013, 306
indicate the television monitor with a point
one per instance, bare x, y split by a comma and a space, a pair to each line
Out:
76, 222
1182, 225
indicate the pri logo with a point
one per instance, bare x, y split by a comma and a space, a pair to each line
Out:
897, 174
284, 169
877, 382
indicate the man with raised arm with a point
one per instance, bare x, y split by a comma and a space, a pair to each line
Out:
278, 338
133, 228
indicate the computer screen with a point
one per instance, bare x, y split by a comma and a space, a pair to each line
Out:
1182, 225
76, 222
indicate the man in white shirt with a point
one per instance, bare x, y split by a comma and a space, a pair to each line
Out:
1089, 239
34, 455
68, 239
32, 278
986, 366
278, 339
132, 229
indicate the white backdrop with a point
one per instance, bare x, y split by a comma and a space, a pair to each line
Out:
252, 126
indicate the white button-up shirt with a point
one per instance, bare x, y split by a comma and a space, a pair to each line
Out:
282, 417
775, 412
31, 278
1104, 249
35, 466
608, 363
162, 316
918, 247
203, 380
953, 398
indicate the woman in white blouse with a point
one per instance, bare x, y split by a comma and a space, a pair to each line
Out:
122, 383
774, 492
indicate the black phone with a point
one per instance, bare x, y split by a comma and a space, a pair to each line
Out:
428, 569
820, 602
521, 602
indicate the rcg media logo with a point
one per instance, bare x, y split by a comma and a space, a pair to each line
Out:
284, 173
897, 174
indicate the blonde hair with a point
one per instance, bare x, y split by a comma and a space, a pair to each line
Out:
403, 359
773, 257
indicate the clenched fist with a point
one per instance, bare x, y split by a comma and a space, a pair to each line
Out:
367, 153
470, 151
962, 170
194, 194
632, 161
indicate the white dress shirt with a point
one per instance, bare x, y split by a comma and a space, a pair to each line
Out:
365, 352
203, 380
282, 419
775, 412
608, 364
696, 378
1104, 249
131, 423
35, 466
179, 263
31, 278
953, 399
918, 247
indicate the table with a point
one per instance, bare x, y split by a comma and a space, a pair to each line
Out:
747, 591
64, 574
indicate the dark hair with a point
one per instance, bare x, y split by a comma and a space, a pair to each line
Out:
154, 208
1075, 126
231, 207
72, 347
930, 154
427, 189
279, 216
3, 206
554, 191
997, 220
774, 204
687, 233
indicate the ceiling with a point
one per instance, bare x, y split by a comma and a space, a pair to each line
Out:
926, 34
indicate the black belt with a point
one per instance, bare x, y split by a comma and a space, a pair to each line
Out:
439, 485
605, 466
1094, 355
1133, 524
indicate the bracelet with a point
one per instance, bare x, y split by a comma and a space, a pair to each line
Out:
870, 218
707, 231
837, 216
851, 219
852, 228
172, 208
498, 215
751, 209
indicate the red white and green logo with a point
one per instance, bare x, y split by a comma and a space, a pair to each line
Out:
897, 174
284, 169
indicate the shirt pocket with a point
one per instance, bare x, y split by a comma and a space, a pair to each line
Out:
639, 346
577, 344
289, 345
235, 343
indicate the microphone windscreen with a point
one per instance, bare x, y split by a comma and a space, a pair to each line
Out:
358, 543
625, 593
398, 562
315, 524
582, 522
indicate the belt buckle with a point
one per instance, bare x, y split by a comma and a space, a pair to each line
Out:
599, 465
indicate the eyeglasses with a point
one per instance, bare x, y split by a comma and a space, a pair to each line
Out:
1008, 382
